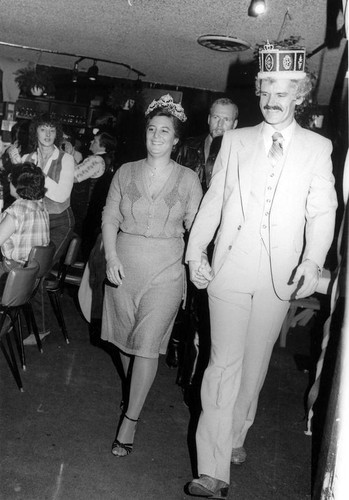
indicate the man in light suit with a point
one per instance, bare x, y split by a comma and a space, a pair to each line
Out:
273, 201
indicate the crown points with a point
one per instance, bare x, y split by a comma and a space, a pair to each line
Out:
166, 102
268, 46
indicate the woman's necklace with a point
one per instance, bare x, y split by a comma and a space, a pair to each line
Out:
44, 156
156, 174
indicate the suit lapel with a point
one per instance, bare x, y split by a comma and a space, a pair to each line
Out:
247, 157
295, 152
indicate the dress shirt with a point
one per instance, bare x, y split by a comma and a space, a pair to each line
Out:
269, 130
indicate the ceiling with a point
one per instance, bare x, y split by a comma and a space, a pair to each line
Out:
159, 38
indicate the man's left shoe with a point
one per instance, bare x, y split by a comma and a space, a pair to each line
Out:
238, 456
208, 487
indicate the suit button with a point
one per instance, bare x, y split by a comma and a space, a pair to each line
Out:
239, 227
229, 247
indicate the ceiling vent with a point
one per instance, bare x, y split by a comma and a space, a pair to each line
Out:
223, 43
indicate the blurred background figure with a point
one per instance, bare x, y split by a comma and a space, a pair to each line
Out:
94, 175
189, 347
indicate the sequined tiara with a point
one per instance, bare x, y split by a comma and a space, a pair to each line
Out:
166, 102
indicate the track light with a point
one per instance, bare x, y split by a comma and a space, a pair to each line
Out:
74, 77
256, 8
75, 73
92, 72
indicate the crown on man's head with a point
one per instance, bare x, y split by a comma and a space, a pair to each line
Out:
166, 102
281, 62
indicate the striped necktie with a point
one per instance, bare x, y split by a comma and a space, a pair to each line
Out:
276, 150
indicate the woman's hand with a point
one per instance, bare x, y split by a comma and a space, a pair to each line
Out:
68, 148
200, 273
13, 153
115, 271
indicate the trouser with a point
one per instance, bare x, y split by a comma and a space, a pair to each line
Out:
244, 328
61, 231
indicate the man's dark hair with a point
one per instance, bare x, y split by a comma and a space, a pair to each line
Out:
107, 141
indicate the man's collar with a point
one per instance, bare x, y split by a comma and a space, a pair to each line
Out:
287, 132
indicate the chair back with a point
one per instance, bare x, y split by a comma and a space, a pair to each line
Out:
73, 249
19, 285
43, 255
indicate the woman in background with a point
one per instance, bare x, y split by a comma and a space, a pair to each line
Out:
150, 204
58, 168
46, 135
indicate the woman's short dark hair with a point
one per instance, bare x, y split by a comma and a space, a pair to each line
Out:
177, 124
44, 119
29, 181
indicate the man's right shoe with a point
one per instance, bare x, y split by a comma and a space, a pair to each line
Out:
208, 487
238, 456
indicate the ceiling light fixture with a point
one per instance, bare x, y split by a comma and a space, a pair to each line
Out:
92, 72
256, 8
223, 43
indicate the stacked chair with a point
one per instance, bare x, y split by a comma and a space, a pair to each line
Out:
19, 287
69, 272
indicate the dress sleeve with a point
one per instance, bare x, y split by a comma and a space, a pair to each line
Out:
111, 212
193, 202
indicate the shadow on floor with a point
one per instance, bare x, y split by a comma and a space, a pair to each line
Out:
56, 436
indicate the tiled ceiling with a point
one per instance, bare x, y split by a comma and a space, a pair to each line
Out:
159, 37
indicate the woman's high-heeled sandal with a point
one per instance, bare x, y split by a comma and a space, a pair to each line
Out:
117, 445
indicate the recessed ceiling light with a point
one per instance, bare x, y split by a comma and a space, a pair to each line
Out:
223, 43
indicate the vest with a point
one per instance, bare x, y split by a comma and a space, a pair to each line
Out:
54, 173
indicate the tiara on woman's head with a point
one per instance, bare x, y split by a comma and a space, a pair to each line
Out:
166, 102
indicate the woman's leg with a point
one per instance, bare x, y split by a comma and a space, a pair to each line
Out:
142, 378
125, 361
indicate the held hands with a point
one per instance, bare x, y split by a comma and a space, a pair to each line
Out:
307, 275
115, 270
200, 273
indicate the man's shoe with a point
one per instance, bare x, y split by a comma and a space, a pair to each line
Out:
238, 456
208, 487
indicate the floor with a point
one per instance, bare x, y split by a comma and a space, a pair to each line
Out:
56, 435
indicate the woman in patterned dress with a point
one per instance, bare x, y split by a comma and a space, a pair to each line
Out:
150, 204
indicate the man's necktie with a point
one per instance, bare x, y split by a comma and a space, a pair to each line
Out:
276, 150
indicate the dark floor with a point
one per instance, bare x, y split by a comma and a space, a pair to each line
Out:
56, 436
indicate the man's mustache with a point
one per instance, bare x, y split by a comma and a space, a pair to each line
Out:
274, 108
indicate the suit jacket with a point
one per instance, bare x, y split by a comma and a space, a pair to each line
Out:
302, 214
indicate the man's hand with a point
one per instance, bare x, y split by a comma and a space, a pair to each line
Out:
308, 271
200, 273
